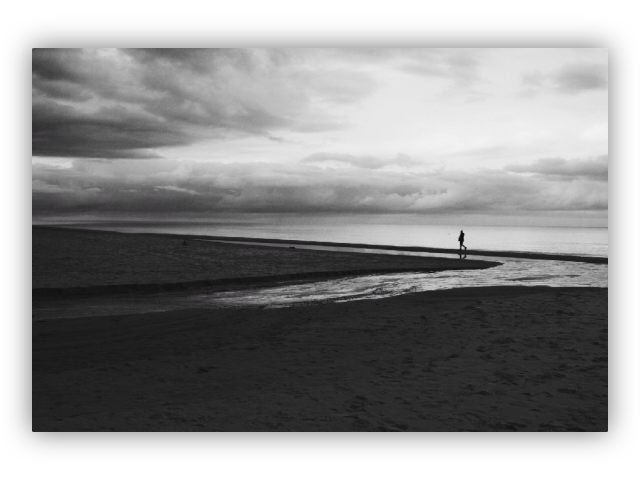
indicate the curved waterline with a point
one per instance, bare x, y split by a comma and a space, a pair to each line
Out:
514, 272
510, 273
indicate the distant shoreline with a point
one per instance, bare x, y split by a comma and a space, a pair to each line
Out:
481, 253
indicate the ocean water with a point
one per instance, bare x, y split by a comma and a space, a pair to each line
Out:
559, 240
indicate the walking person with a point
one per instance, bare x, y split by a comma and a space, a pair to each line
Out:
461, 240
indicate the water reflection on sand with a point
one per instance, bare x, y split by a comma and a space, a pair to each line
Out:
511, 272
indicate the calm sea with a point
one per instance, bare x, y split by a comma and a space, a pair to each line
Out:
562, 240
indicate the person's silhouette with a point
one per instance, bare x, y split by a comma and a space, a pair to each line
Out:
461, 240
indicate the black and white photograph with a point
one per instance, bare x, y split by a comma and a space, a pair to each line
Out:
320, 239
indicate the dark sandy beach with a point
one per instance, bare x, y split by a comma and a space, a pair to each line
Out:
481, 359
69, 261
495, 359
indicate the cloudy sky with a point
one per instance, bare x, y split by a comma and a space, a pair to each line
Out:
488, 133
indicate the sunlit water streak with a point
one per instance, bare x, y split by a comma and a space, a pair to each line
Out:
522, 272
511, 272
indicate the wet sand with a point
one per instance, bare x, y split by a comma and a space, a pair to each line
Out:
482, 359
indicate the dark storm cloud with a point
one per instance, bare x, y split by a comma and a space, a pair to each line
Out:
578, 77
126, 103
596, 168
360, 185
570, 79
62, 65
62, 131
108, 104
197, 59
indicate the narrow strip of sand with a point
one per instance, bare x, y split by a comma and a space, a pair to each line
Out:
484, 359
397, 248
